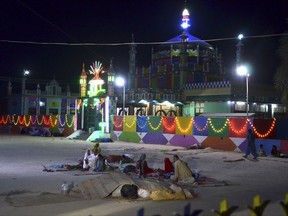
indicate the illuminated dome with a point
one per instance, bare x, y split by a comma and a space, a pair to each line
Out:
192, 41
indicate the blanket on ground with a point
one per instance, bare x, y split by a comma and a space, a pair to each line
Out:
103, 185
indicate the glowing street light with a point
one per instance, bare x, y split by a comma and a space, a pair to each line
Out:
26, 72
243, 71
240, 36
121, 82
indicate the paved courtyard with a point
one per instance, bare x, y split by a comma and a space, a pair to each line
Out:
25, 187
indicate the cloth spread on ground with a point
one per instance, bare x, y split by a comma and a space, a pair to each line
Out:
103, 185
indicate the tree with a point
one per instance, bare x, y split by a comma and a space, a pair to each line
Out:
281, 76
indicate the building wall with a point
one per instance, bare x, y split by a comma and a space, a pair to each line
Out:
217, 107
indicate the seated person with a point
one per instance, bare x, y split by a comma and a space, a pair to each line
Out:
168, 167
96, 147
90, 161
142, 168
275, 152
261, 151
183, 174
86, 160
126, 159
99, 164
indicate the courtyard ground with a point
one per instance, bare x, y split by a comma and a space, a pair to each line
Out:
27, 190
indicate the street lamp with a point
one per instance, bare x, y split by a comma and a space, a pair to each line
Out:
121, 82
25, 74
238, 52
243, 71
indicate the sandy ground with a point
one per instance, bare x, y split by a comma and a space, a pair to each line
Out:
21, 175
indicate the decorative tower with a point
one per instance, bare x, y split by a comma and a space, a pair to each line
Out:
38, 92
183, 50
238, 52
96, 82
132, 65
111, 79
83, 82
9, 88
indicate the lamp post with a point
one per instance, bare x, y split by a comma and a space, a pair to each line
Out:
243, 71
25, 74
238, 52
121, 82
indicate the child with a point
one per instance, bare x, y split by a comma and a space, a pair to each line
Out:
261, 152
275, 152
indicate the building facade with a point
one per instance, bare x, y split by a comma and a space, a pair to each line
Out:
186, 77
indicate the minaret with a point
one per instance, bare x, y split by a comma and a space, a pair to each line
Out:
83, 82
183, 48
9, 88
38, 92
132, 65
111, 79
238, 52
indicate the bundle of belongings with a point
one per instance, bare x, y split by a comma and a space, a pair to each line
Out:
117, 184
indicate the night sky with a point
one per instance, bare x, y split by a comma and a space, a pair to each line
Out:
114, 21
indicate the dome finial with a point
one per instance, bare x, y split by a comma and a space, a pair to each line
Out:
185, 19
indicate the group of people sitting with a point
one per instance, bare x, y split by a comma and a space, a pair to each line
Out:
180, 172
275, 152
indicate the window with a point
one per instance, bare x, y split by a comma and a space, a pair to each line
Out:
53, 111
199, 107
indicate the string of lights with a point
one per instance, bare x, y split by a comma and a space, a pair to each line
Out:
32, 120
52, 121
133, 122
135, 43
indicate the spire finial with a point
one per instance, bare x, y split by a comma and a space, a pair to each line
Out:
111, 63
185, 19
83, 73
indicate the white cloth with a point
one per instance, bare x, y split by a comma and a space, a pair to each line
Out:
86, 155
92, 160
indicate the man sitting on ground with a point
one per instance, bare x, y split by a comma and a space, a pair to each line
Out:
183, 174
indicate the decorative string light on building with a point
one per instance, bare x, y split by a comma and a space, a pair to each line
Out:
157, 127
46, 121
218, 130
119, 125
200, 129
263, 135
242, 130
130, 125
169, 127
72, 121
187, 128
53, 124
40, 122
142, 126
13, 120
8, 118
27, 122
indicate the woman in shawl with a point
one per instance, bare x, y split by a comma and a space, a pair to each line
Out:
142, 168
168, 166
168, 169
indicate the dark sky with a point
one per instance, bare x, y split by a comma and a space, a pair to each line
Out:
113, 21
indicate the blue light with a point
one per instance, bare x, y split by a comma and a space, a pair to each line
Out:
185, 25
185, 19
